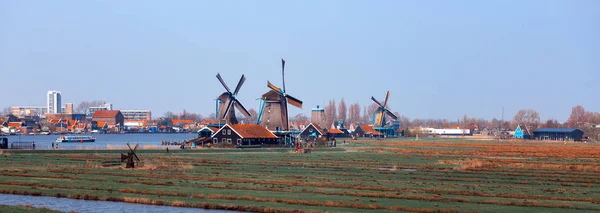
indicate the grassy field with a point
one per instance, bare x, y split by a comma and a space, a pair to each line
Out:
363, 176
28, 209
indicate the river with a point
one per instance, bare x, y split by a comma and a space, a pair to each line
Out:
68, 205
104, 141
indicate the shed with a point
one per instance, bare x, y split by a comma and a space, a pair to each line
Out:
521, 133
558, 134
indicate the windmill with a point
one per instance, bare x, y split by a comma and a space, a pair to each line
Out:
130, 157
274, 106
227, 100
380, 113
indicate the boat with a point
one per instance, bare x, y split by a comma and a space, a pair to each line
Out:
71, 138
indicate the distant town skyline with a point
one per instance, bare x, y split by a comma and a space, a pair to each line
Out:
439, 59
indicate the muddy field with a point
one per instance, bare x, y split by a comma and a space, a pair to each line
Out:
363, 176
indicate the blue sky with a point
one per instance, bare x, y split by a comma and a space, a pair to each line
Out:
439, 59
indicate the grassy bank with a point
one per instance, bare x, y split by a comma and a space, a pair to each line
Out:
363, 176
25, 209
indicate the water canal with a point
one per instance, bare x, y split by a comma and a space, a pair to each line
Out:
68, 205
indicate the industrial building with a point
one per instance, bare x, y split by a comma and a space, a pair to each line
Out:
105, 106
21, 111
558, 134
133, 114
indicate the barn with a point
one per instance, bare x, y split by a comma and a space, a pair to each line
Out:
245, 134
558, 134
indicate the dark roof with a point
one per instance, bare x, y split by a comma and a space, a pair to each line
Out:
106, 113
562, 130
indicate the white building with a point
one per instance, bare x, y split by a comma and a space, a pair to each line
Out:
136, 114
20, 111
105, 106
53, 102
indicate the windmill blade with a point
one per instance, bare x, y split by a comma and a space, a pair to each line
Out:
227, 109
136, 146
136, 157
387, 97
242, 109
294, 101
283, 73
273, 87
391, 114
239, 85
130, 149
377, 102
223, 83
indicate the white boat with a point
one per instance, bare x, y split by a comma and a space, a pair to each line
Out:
71, 138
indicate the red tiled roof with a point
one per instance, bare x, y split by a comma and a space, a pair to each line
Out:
105, 113
207, 121
370, 129
175, 122
252, 131
14, 124
335, 131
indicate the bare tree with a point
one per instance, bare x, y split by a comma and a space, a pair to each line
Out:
577, 117
6, 111
253, 116
330, 113
85, 105
370, 110
170, 115
300, 118
528, 118
353, 113
342, 110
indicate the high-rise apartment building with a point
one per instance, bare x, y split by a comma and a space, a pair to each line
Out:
53, 102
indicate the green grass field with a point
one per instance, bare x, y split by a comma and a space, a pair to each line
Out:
363, 176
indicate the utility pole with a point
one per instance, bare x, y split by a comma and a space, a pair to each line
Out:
502, 122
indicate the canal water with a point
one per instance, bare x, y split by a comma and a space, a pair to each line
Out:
104, 141
84, 206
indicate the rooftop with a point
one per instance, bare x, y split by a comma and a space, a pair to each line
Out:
105, 114
252, 131
563, 130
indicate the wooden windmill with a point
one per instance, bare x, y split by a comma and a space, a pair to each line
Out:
228, 100
274, 111
379, 116
129, 158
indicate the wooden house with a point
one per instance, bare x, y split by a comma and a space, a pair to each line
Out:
366, 131
245, 134
312, 131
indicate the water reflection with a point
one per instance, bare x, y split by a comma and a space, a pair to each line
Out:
67, 205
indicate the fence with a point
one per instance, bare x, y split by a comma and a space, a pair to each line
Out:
22, 145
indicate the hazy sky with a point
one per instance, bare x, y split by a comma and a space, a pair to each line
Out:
439, 59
